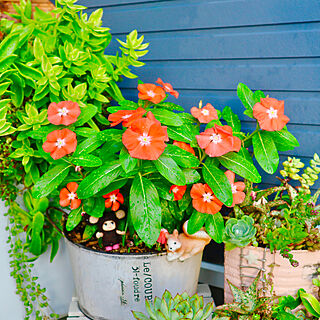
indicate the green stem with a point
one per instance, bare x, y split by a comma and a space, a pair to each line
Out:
250, 135
93, 125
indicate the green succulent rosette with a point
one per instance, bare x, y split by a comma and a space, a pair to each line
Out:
239, 232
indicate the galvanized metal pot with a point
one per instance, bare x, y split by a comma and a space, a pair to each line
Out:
241, 266
109, 285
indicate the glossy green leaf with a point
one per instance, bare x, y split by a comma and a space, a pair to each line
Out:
215, 227
99, 179
37, 227
170, 106
94, 206
89, 231
183, 133
246, 97
284, 140
196, 221
50, 180
169, 169
127, 162
191, 176
74, 218
85, 160
86, 114
311, 303
232, 119
217, 181
145, 209
240, 166
167, 117
54, 247
265, 151
182, 157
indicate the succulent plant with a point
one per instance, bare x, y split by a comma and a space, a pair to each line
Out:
240, 232
180, 307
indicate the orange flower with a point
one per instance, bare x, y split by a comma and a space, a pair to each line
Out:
184, 146
151, 92
60, 143
218, 141
145, 138
126, 116
204, 200
237, 188
68, 195
163, 236
64, 112
270, 114
205, 114
113, 200
178, 191
168, 88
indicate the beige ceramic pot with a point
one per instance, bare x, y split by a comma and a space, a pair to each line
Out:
242, 266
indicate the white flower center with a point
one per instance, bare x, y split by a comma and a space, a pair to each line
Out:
215, 138
113, 198
72, 196
272, 113
63, 112
175, 189
150, 93
60, 143
126, 116
233, 188
207, 197
205, 112
145, 140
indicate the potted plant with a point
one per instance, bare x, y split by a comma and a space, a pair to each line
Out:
47, 57
282, 224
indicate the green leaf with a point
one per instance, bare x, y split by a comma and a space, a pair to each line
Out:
85, 160
117, 183
232, 119
6, 62
183, 133
217, 181
196, 221
182, 157
170, 106
145, 209
167, 117
99, 179
311, 303
265, 151
127, 162
88, 145
8, 45
215, 227
74, 218
191, 176
54, 247
246, 97
240, 166
94, 206
37, 227
168, 168
50, 180
89, 231
284, 140
258, 95
29, 72
86, 114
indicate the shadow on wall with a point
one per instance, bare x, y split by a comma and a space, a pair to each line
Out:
56, 277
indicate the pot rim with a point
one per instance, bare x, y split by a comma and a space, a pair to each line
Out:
116, 254
277, 251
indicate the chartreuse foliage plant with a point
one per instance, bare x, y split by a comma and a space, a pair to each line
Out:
176, 308
45, 58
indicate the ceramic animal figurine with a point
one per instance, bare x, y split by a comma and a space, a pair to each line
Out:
107, 230
184, 245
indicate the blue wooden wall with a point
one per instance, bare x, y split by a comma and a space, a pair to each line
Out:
204, 48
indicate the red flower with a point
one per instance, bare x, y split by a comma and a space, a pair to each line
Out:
60, 143
113, 200
204, 200
64, 112
205, 114
163, 236
184, 146
218, 141
126, 116
178, 191
145, 138
68, 195
237, 188
168, 88
151, 92
270, 114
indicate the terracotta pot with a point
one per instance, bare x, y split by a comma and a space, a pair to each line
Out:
242, 266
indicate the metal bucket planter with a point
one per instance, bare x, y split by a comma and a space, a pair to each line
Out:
110, 285
242, 265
